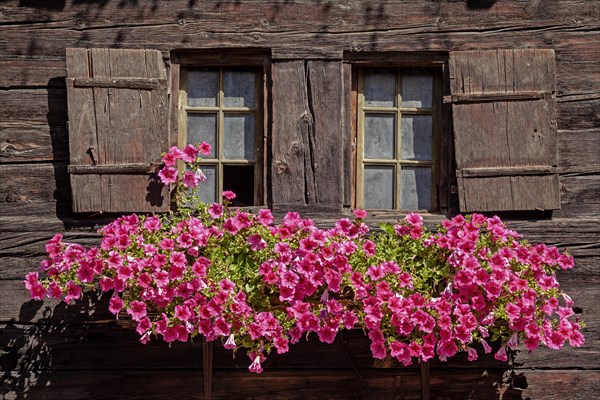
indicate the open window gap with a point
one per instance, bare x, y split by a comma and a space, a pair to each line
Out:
240, 180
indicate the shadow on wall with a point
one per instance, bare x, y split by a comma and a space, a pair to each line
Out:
75, 351
57, 121
480, 4
42, 341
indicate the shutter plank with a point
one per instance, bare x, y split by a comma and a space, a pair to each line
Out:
505, 128
291, 122
130, 129
82, 127
325, 86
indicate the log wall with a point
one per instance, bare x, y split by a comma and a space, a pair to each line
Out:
51, 351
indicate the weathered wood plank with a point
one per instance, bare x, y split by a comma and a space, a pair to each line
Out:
578, 114
579, 152
24, 183
26, 143
498, 133
527, 384
307, 156
41, 106
356, 15
116, 125
291, 121
325, 97
227, 384
579, 196
577, 76
28, 73
46, 209
557, 385
301, 385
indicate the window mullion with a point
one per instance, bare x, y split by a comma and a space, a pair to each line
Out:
398, 169
360, 191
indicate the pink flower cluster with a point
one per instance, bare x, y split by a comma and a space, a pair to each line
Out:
189, 155
231, 275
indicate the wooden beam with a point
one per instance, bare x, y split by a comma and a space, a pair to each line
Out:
461, 98
132, 168
425, 381
119, 83
507, 171
207, 367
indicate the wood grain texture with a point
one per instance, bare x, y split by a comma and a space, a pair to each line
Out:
291, 122
307, 159
580, 196
32, 73
34, 106
72, 355
45, 182
326, 101
516, 132
33, 143
117, 125
579, 152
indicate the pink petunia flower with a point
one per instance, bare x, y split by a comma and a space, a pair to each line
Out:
205, 148
168, 175
359, 214
229, 195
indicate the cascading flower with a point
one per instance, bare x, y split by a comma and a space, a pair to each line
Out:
224, 273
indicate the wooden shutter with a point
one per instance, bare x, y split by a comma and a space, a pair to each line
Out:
118, 128
503, 108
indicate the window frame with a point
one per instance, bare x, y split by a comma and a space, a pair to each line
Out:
359, 110
259, 59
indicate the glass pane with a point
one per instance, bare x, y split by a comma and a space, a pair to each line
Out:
203, 128
416, 189
379, 187
416, 137
202, 89
380, 136
238, 137
207, 190
239, 88
380, 88
417, 90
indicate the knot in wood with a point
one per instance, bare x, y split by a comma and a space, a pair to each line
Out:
13, 197
282, 166
181, 21
295, 148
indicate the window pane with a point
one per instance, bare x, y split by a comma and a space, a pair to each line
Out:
379, 187
417, 90
416, 137
238, 130
203, 86
203, 128
416, 189
207, 190
380, 136
380, 88
239, 88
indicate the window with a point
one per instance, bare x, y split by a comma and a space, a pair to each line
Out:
222, 106
498, 150
398, 131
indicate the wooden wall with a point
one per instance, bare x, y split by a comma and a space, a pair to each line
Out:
51, 351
